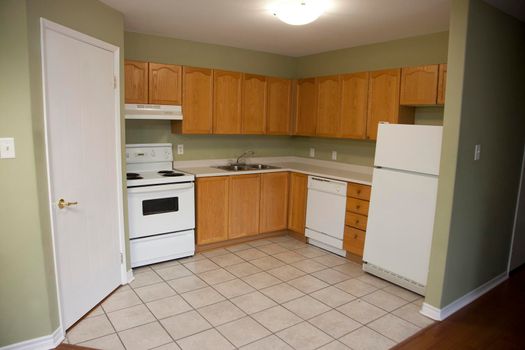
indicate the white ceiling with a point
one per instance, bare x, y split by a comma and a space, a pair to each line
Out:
249, 24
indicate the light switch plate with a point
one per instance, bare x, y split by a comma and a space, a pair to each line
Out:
334, 155
7, 148
477, 152
312, 152
180, 149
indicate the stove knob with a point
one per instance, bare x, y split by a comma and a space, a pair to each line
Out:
153, 153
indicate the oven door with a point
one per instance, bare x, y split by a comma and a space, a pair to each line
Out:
160, 209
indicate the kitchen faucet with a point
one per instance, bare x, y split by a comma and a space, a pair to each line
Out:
244, 155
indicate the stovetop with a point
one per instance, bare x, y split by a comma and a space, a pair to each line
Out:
142, 178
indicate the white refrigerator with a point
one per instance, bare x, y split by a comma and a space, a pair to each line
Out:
403, 204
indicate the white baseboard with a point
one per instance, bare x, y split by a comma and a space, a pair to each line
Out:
46, 342
130, 276
440, 314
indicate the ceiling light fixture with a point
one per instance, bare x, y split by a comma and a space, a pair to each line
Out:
299, 12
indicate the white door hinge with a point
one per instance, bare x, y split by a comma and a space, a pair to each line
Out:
114, 82
122, 258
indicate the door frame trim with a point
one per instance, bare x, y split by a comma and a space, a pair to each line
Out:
49, 25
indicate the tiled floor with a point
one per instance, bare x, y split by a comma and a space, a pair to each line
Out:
276, 293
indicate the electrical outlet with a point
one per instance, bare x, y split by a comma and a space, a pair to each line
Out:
7, 148
312, 152
477, 152
334, 155
180, 149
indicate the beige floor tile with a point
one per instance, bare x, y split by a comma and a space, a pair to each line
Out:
281, 239
361, 311
173, 272
276, 318
251, 254
272, 249
356, 287
310, 252
306, 307
187, 284
165, 264
332, 296
282, 293
384, 300
309, 266
90, 328
375, 281
335, 345
168, 306
108, 342
121, 300
259, 242
304, 336
215, 252
419, 301
331, 260
289, 257
97, 311
221, 313
169, 346
335, 323
286, 272
410, 313
366, 339
207, 340
216, 276
243, 269
130, 317
253, 302
233, 288
331, 276
293, 244
261, 280
141, 269
201, 266
123, 288
144, 337
351, 269
186, 324
239, 247
402, 293
307, 284
195, 257
154, 292
202, 297
269, 343
243, 331
393, 327
226, 260
145, 278
267, 263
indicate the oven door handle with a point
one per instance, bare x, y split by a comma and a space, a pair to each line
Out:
160, 188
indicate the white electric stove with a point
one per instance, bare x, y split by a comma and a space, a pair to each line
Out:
161, 205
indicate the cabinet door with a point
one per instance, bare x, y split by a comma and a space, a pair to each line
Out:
383, 99
354, 98
226, 102
212, 209
274, 202
279, 102
136, 81
165, 84
328, 106
253, 104
306, 116
245, 194
419, 85
197, 97
442, 84
297, 202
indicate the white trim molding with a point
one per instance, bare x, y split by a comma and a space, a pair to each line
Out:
440, 314
129, 277
46, 342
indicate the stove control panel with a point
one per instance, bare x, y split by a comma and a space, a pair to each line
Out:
149, 153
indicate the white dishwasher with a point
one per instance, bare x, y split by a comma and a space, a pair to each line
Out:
325, 214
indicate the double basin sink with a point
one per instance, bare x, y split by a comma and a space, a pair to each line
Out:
246, 167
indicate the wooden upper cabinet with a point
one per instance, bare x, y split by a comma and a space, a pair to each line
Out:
279, 106
227, 87
306, 115
274, 202
253, 104
297, 202
354, 98
245, 194
197, 100
442, 84
136, 81
328, 106
165, 84
212, 196
419, 85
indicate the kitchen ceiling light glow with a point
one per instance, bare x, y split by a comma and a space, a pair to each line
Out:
299, 12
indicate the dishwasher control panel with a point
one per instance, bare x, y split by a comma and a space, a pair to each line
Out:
327, 185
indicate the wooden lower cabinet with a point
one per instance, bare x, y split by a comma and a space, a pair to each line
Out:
274, 202
212, 209
297, 202
354, 240
357, 203
245, 195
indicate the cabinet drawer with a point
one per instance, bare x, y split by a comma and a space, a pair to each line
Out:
356, 220
358, 191
357, 206
354, 240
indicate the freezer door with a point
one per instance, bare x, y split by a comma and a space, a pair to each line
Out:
415, 148
400, 223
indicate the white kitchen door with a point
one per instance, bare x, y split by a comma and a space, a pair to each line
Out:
82, 129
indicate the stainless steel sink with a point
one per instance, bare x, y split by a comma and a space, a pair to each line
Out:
245, 167
261, 166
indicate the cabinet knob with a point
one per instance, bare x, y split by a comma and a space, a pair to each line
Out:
357, 206
358, 191
357, 221
355, 236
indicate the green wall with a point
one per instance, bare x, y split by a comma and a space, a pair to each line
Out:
477, 199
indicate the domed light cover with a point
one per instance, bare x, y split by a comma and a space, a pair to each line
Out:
299, 12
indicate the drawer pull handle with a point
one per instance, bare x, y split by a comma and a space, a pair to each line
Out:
358, 191
357, 221
355, 236
357, 206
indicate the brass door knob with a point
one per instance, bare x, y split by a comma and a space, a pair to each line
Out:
62, 203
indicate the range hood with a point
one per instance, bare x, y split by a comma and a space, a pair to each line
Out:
152, 112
